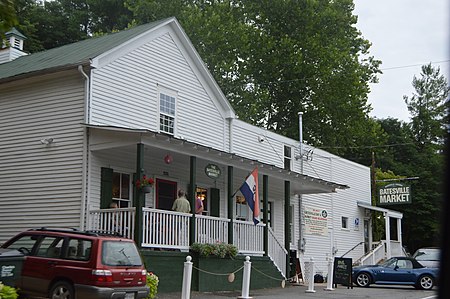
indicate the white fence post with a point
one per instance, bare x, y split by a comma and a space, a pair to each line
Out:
310, 272
187, 276
246, 279
330, 275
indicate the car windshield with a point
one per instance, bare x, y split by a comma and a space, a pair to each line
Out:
427, 255
390, 263
119, 253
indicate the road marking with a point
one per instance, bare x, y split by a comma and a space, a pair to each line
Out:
430, 297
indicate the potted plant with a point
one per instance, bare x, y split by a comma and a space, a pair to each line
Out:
145, 184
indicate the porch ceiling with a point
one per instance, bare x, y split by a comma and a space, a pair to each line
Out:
124, 139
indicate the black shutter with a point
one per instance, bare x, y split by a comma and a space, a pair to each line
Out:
106, 188
215, 202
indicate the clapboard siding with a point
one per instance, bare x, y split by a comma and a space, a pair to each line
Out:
50, 106
124, 93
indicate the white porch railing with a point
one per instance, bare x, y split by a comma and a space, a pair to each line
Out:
113, 220
211, 229
248, 237
277, 253
375, 255
396, 248
165, 229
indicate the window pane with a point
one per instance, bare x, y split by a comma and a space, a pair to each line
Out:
116, 185
125, 194
79, 249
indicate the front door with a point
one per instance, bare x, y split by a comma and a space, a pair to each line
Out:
166, 193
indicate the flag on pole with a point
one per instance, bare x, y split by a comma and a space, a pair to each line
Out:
250, 191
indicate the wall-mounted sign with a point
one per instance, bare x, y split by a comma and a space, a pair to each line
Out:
213, 171
316, 221
394, 194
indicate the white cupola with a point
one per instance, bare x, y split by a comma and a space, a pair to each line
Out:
12, 47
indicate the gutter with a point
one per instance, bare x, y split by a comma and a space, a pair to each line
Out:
85, 163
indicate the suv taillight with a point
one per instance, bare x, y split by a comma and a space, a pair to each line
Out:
144, 276
102, 275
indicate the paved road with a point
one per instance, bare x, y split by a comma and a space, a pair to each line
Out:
341, 292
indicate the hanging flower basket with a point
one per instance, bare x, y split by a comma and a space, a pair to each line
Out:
146, 189
145, 185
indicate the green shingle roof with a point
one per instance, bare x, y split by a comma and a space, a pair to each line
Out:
71, 54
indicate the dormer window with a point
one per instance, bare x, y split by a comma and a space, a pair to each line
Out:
167, 112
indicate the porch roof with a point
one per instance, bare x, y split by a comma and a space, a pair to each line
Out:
303, 184
390, 213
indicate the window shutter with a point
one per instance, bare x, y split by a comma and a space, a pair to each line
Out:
106, 188
215, 202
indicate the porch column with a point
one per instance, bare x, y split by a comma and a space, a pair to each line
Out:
287, 229
192, 187
399, 232
230, 204
139, 196
266, 213
388, 234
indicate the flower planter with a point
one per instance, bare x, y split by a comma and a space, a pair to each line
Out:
146, 189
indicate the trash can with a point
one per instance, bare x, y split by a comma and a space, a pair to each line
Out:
11, 262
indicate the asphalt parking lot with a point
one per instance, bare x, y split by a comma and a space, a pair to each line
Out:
299, 291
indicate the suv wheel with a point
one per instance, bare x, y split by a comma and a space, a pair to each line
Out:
62, 290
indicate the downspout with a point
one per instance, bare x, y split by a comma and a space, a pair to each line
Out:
230, 132
85, 162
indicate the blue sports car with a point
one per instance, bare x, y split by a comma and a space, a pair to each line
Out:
396, 270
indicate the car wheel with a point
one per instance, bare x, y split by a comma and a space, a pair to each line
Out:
426, 282
62, 290
363, 279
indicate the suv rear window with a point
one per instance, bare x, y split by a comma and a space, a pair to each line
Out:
119, 253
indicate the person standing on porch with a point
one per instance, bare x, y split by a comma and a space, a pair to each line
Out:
181, 204
198, 206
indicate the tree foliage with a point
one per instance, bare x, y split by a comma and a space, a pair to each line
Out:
274, 59
8, 18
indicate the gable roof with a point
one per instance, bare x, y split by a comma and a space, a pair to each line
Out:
87, 52
72, 54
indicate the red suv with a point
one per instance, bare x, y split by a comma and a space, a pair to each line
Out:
68, 264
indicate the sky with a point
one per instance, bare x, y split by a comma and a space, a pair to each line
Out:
405, 34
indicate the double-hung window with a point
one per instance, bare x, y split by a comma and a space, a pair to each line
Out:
167, 105
287, 157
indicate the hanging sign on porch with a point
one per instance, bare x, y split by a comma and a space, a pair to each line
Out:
213, 171
394, 194
316, 221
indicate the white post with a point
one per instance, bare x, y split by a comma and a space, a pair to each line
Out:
388, 234
310, 266
187, 275
330, 275
399, 234
246, 279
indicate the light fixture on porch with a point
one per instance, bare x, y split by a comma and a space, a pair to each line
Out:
168, 159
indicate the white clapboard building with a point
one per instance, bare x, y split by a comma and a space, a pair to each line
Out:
80, 124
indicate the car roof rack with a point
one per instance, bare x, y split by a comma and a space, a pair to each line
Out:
80, 232
104, 233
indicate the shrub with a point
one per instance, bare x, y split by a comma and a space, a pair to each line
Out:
7, 292
152, 282
221, 250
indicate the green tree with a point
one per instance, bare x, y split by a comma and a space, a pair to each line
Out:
61, 22
274, 59
8, 18
417, 151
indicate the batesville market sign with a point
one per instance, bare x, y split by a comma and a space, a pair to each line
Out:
394, 194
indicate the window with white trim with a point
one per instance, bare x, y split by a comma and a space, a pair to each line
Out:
344, 222
121, 183
167, 109
287, 157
